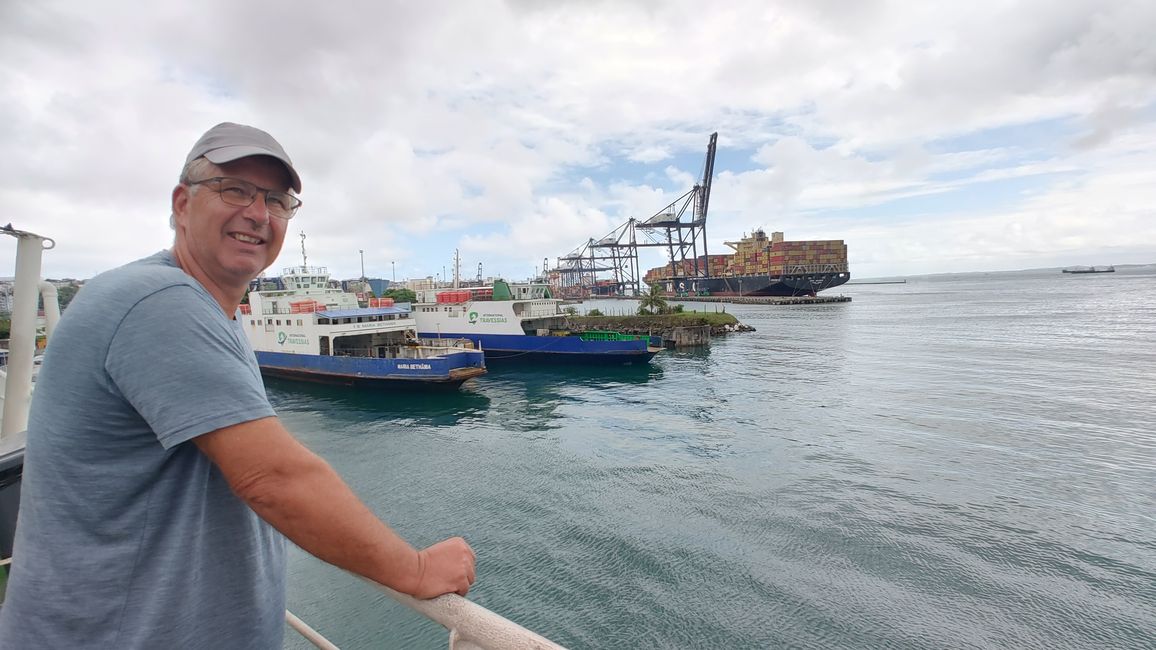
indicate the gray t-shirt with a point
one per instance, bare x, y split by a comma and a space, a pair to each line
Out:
128, 536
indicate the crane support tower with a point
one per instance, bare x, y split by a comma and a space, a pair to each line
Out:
582, 272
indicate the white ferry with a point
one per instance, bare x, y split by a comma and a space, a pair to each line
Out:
523, 322
310, 331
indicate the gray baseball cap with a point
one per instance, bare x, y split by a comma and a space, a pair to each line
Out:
227, 142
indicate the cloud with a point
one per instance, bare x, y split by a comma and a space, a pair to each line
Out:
420, 128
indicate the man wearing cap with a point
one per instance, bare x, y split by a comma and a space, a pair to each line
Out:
158, 482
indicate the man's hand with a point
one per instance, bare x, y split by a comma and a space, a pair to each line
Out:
445, 567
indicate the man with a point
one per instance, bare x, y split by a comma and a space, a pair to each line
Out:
157, 475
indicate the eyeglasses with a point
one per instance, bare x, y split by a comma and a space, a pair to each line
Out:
242, 194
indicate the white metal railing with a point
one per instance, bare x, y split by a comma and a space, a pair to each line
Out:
471, 626
311, 635
465, 344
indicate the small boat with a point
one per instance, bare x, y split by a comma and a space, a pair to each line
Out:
1089, 269
523, 322
309, 331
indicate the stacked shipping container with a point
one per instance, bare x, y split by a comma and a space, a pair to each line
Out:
760, 255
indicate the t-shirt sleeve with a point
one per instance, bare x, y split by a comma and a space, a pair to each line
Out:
183, 367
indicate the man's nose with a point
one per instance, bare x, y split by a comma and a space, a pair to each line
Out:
258, 210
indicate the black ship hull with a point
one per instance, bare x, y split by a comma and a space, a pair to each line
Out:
804, 284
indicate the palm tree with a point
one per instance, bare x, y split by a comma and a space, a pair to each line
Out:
653, 302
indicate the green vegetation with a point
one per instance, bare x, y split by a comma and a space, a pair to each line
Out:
653, 303
654, 321
65, 294
5, 327
400, 295
594, 312
570, 311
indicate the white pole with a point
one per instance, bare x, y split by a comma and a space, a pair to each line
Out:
51, 308
22, 345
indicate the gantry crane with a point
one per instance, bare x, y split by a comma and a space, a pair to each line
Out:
671, 228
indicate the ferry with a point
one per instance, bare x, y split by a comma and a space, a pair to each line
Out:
312, 332
522, 322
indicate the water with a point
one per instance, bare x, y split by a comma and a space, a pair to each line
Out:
960, 462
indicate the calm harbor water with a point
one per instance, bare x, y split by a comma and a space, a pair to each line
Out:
955, 462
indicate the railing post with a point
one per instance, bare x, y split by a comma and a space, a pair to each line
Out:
18, 383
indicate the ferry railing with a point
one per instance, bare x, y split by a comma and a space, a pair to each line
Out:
470, 626
447, 343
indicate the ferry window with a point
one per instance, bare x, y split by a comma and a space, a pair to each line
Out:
269, 321
278, 321
298, 322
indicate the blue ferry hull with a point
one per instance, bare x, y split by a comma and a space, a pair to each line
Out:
513, 347
449, 371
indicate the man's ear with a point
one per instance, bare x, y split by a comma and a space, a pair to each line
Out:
181, 198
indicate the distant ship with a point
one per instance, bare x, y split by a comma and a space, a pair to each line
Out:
1090, 269
513, 322
760, 266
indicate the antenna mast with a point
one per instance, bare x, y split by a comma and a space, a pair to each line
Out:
304, 260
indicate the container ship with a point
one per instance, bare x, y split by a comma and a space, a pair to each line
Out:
760, 266
1090, 269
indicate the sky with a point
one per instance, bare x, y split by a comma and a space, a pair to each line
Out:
930, 137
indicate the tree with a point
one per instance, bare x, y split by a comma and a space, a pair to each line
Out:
653, 303
65, 294
400, 295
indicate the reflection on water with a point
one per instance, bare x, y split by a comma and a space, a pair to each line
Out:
433, 408
553, 376
532, 398
517, 398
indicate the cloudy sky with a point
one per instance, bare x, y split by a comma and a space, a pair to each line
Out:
931, 137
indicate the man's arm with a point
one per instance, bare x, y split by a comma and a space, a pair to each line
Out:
300, 495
